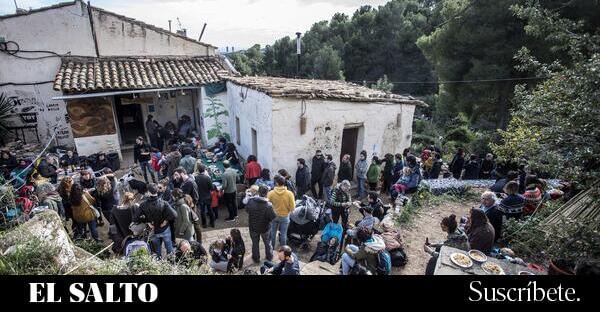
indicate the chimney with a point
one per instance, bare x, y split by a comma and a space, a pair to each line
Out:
227, 49
232, 50
169, 25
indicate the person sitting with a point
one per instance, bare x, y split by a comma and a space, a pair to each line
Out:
365, 255
20, 173
498, 187
488, 165
456, 239
101, 162
48, 168
379, 209
489, 206
533, 195
288, 265
189, 253
471, 168
70, 160
480, 232
265, 179
331, 237
8, 162
48, 196
436, 166
367, 222
219, 258
512, 205
236, 250
408, 182
250, 193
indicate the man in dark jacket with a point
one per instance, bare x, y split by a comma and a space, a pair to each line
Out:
489, 206
47, 168
456, 166
141, 156
152, 130
158, 213
288, 265
204, 185
328, 176
436, 168
340, 203
471, 168
302, 178
260, 215
186, 183
318, 166
345, 172
487, 167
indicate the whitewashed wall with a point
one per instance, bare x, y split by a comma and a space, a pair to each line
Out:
380, 133
118, 36
254, 109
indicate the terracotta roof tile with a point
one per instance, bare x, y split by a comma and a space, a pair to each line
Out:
84, 74
320, 89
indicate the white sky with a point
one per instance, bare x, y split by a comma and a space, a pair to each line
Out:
238, 23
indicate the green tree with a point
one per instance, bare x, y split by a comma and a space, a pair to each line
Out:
555, 123
383, 84
216, 110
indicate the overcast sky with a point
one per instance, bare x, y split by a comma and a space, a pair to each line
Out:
238, 23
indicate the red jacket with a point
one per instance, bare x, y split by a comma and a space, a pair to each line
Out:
252, 170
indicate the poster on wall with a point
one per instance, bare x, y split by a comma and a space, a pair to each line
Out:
91, 117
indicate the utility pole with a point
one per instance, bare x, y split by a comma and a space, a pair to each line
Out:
298, 52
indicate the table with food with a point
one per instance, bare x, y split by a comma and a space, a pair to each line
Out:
215, 167
453, 261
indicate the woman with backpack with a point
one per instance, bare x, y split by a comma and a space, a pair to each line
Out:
369, 255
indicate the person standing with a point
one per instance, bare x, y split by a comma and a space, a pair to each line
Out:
328, 176
283, 204
316, 172
260, 215
183, 224
188, 162
373, 174
436, 167
253, 169
302, 178
141, 156
204, 185
457, 164
229, 188
84, 213
159, 213
186, 183
340, 203
345, 172
152, 131
388, 171
361, 174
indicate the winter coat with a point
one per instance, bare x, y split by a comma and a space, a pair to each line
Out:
436, 168
172, 162
141, 153
121, 217
183, 224
498, 187
482, 238
338, 197
367, 254
471, 170
328, 174
456, 166
253, 170
260, 214
156, 211
229, 179
487, 166
388, 169
286, 268
532, 199
188, 163
345, 172
66, 161
317, 168
373, 173
361, 169
283, 201
189, 187
302, 180
54, 202
46, 169
204, 185
512, 204
495, 217
331, 230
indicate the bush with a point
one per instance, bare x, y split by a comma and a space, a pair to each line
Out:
33, 257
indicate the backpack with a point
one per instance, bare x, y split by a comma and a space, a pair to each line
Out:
135, 245
384, 263
398, 257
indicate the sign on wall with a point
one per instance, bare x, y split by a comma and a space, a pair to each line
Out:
91, 117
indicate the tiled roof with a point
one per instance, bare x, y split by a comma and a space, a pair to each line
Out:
320, 89
83, 74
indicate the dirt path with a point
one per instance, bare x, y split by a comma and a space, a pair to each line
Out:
427, 224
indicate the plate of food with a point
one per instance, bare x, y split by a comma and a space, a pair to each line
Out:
492, 268
461, 260
525, 273
477, 256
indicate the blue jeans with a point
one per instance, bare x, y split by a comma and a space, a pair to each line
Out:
91, 225
347, 261
160, 238
327, 191
361, 187
281, 224
145, 166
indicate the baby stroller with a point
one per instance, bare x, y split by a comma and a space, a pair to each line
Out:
305, 222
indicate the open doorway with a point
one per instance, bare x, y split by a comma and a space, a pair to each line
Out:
131, 121
349, 143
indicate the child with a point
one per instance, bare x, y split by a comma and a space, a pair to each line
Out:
406, 182
236, 250
156, 156
219, 258
214, 201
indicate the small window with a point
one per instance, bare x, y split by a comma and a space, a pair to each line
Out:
237, 131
